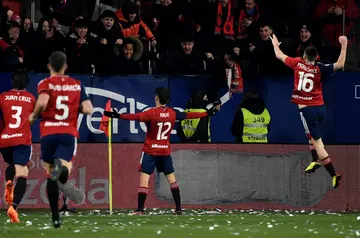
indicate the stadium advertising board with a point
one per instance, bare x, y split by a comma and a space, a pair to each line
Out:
210, 176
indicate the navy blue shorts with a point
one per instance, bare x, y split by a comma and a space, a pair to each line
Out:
163, 164
20, 154
312, 118
59, 146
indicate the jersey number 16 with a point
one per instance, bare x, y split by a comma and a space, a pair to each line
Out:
306, 82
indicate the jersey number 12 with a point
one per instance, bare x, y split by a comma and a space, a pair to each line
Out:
163, 129
306, 82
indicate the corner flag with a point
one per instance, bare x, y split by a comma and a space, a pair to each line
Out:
105, 126
105, 121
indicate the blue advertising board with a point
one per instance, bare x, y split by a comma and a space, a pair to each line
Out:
136, 93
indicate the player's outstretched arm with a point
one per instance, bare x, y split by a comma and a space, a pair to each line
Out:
193, 115
142, 116
342, 57
40, 106
279, 54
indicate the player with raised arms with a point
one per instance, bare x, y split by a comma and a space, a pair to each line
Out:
15, 142
60, 99
156, 151
308, 95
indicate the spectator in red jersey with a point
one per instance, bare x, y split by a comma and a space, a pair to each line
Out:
47, 40
330, 14
26, 39
7, 16
11, 54
132, 24
80, 46
110, 36
248, 21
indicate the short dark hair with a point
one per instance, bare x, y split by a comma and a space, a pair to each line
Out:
57, 61
20, 80
163, 95
311, 53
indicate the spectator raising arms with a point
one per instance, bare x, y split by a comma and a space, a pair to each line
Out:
110, 37
11, 54
47, 40
80, 47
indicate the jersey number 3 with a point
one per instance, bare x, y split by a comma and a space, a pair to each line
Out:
306, 82
16, 116
60, 105
163, 129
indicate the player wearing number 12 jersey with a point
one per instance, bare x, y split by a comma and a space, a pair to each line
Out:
156, 150
307, 94
60, 100
15, 139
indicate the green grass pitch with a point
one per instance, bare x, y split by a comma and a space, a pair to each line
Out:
194, 223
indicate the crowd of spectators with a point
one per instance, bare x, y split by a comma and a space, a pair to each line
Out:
178, 36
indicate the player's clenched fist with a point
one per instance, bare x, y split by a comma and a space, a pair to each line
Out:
343, 40
112, 114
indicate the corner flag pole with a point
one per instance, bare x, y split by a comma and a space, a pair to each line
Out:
110, 167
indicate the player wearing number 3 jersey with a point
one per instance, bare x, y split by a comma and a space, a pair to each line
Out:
308, 95
60, 100
15, 140
156, 151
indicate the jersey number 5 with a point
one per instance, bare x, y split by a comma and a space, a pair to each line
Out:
163, 129
61, 106
306, 82
16, 116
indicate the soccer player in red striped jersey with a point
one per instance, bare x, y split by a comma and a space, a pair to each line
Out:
15, 139
156, 151
61, 99
308, 95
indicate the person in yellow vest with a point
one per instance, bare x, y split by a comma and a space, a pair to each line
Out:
251, 122
195, 130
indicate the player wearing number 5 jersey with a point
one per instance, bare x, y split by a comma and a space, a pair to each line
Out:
307, 94
15, 139
156, 150
60, 100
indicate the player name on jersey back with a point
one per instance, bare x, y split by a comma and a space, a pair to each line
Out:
57, 87
61, 113
18, 98
16, 106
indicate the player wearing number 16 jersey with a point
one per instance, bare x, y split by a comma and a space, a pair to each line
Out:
307, 94
15, 139
156, 150
60, 100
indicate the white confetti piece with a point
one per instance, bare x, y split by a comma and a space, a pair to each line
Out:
270, 226
358, 218
28, 223
94, 230
235, 233
215, 225
158, 232
357, 233
229, 222
76, 231
311, 230
295, 227
211, 228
